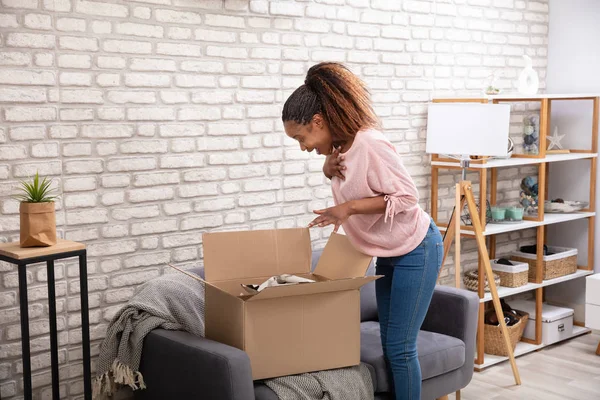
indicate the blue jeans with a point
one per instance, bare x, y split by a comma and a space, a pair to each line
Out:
403, 296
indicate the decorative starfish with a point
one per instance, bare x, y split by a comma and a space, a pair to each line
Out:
555, 139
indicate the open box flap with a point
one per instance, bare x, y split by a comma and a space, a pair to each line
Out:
312, 288
199, 278
249, 254
341, 260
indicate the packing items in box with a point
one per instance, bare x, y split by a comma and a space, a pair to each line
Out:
515, 320
286, 329
278, 280
557, 261
557, 322
512, 273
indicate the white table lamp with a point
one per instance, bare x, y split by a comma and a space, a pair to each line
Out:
468, 129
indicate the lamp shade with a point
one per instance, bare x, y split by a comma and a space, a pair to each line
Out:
468, 129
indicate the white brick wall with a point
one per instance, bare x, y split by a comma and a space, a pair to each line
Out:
160, 120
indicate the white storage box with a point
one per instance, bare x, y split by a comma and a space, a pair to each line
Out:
511, 275
592, 316
557, 322
592, 301
592, 289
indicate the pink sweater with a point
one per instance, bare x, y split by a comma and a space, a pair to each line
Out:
374, 168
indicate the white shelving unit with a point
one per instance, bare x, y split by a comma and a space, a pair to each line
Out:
488, 168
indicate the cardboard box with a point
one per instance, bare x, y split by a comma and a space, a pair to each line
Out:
285, 330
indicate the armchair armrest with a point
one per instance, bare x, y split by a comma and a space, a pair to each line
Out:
178, 365
454, 312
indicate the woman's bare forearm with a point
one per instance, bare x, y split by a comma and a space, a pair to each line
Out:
369, 205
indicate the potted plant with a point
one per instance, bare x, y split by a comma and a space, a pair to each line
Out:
37, 215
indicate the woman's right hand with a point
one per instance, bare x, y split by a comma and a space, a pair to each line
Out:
334, 165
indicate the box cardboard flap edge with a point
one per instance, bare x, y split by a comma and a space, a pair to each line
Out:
341, 260
200, 279
300, 289
249, 254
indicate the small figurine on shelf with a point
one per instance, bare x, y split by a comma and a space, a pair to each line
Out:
529, 82
531, 134
491, 88
466, 216
555, 140
529, 194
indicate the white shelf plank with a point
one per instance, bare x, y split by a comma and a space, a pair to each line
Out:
578, 274
517, 161
525, 348
504, 291
579, 330
522, 348
518, 96
549, 219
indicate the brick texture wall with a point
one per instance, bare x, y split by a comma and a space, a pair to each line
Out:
160, 119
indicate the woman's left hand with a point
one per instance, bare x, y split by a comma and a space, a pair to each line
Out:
332, 216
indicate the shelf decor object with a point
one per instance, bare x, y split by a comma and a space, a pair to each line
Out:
540, 220
529, 82
531, 134
466, 216
466, 130
564, 206
528, 196
555, 140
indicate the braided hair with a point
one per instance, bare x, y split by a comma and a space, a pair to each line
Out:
342, 99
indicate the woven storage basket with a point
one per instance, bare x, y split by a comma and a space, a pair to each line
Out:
512, 275
562, 262
471, 281
494, 341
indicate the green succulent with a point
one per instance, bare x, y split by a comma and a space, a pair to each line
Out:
36, 191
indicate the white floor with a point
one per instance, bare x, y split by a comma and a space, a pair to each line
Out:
570, 370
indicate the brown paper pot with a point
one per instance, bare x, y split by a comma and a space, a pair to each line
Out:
38, 224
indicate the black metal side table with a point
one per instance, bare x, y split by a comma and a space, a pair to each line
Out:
12, 253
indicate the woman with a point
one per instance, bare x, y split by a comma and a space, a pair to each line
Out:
376, 202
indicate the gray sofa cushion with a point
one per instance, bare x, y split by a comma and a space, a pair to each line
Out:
438, 354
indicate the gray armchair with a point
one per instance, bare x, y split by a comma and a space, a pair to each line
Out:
177, 365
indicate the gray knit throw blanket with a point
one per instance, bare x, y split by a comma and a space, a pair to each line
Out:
352, 383
176, 302
172, 301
